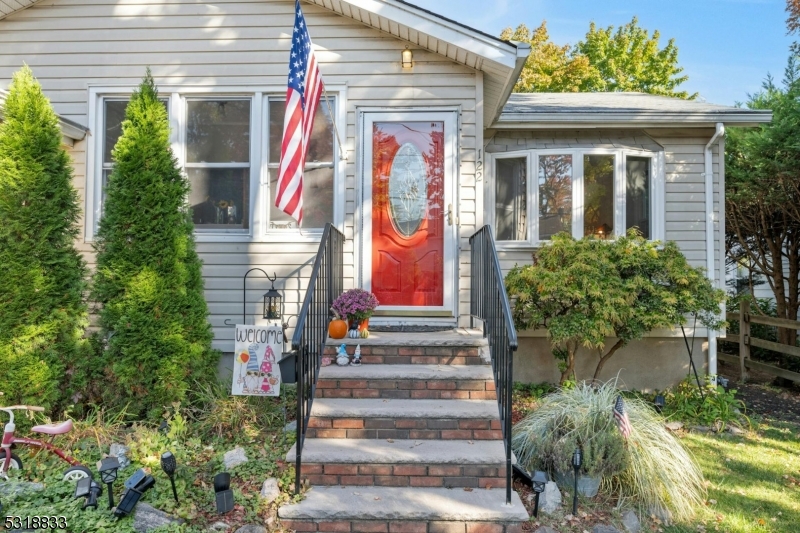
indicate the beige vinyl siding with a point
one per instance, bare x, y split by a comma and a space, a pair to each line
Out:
72, 44
684, 168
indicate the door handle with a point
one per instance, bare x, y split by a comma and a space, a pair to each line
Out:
449, 214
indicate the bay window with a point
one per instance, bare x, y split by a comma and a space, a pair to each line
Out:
597, 193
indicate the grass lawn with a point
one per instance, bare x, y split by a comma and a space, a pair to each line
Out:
753, 480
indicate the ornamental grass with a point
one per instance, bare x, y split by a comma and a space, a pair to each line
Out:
650, 469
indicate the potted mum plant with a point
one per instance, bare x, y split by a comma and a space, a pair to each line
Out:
357, 305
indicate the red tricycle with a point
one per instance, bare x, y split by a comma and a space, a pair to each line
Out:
9, 460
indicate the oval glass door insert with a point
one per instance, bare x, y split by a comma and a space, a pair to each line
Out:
408, 190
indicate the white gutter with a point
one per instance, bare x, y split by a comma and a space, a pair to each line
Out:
709, 185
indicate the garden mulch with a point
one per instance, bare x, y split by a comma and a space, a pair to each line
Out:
763, 398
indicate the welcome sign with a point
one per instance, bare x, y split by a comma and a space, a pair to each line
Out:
255, 366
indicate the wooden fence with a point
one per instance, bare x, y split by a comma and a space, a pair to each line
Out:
746, 341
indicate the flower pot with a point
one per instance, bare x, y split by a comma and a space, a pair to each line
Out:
587, 486
337, 329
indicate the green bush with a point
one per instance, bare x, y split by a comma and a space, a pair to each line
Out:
42, 307
715, 406
587, 291
148, 278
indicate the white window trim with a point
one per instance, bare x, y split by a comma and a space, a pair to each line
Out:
657, 196
259, 177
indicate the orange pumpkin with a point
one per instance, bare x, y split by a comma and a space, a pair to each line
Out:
337, 329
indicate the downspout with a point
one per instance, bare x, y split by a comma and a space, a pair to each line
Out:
710, 248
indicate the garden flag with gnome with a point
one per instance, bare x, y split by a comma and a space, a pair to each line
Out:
302, 99
255, 368
621, 417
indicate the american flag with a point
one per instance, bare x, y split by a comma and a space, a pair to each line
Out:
621, 417
302, 99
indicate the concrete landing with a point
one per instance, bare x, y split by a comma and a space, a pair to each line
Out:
406, 503
394, 372
381, 451
453, 337
388, 408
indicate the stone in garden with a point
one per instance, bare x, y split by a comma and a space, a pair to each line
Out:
251, 529
270, 490
15, 488
701, 429
600, 528
550, 499
545, 529
733, 430
290, 427
631, 522
147, 518
219, 526
121, 453
673, 426
234, 458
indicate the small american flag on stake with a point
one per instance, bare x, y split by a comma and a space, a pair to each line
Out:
621, 417
302, 99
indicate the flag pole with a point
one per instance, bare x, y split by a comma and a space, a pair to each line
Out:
342, 155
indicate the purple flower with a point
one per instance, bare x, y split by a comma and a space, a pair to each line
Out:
355, 304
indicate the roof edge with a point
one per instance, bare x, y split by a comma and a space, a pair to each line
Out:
635, 119
69, 128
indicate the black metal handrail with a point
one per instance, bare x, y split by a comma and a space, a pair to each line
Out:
488, 301
311, 332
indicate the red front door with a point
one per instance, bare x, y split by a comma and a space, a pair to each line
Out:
408, 213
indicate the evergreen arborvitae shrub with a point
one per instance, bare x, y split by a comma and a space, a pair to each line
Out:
42, 307
148, 279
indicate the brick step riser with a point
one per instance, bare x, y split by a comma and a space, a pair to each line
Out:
405, 475
404, 428
407, 389
399, 526
399, 355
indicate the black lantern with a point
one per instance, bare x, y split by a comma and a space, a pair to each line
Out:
577, 462
108, 474
659, 403
223, 493
169, 465
538, 483
273, 301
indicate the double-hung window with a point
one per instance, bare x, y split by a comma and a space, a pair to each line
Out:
598, 193
229, 145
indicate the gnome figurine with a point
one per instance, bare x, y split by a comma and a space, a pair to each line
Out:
356, 356
252, 377
342, 359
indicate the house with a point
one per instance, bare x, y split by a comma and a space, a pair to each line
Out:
419, 103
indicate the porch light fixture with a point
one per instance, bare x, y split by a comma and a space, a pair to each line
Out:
407, 58
108, 474
538, 483
577, 462
169, 465
659, 403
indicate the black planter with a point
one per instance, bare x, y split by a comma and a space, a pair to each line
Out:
288, 366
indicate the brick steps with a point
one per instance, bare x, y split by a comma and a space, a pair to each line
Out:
423, 382
408, 442
403, 463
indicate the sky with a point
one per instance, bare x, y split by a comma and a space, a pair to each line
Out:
726, 47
